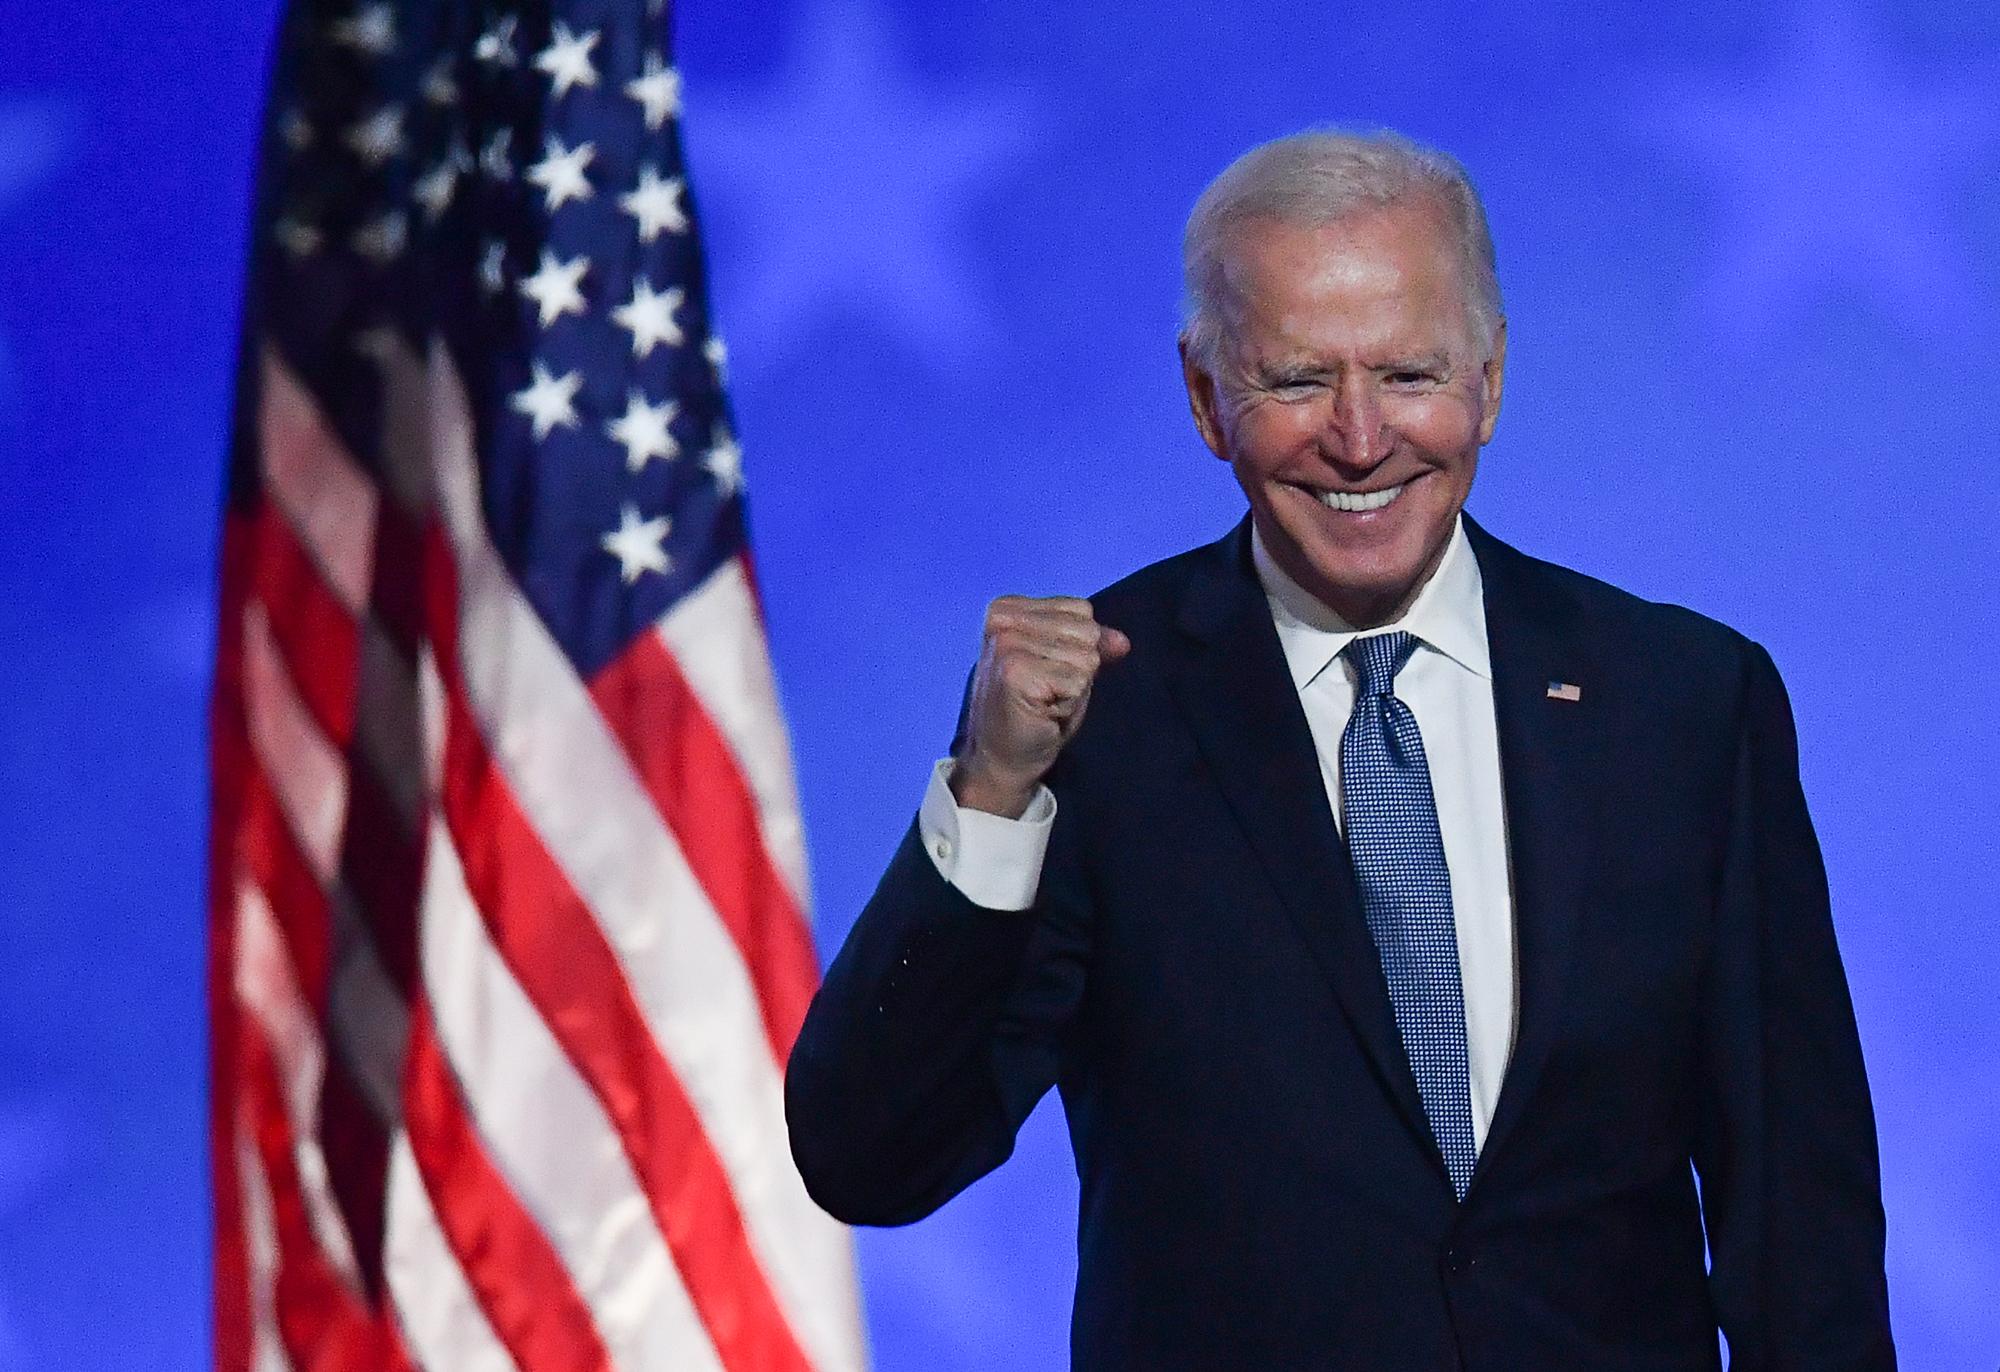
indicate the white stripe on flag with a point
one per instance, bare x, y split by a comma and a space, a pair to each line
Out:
305, 772
329, 503
716, 635
443, 1327
260, 1245
547, 1133
309, 778
267, 987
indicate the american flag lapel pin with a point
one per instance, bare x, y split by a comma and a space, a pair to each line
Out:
1565, 690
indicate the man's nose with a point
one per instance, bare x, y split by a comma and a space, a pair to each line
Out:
1359, 441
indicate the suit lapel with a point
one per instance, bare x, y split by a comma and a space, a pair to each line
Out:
1236, 694
1550, 749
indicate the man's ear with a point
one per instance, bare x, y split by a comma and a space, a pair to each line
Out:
1494, 374
1202, 400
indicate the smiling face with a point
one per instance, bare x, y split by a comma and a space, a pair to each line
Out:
1351, 398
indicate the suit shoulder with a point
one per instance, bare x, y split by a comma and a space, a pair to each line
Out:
1145, 599
1701, 647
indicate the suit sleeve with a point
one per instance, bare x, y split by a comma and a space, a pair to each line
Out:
1791, 1188
938, 1027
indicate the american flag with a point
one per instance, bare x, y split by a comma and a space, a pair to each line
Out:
509, 938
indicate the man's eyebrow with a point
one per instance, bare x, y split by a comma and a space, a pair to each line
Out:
1290, 367
1421, 362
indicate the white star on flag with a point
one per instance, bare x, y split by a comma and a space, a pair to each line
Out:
717, 353
433, 190
636, 544
381, 239
555, 287
297, 132
725, 461
370, 29
549, 400
379, 344
493, 267
657, 89
649, 317
656, 204
379, 137
495, 47
439, 87
496, 158
567, 59
297, 238
643, 431
560, 172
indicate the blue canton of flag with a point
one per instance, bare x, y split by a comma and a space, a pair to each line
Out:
520, 186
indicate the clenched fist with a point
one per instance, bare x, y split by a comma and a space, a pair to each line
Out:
1036, 665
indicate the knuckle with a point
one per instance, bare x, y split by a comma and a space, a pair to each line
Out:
1004, 608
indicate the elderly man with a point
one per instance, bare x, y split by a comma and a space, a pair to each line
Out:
1408, 923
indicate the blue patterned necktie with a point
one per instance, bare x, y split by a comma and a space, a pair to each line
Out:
1392, 835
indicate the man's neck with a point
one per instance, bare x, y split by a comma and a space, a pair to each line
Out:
1340, 609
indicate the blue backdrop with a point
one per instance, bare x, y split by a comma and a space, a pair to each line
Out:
1749, 252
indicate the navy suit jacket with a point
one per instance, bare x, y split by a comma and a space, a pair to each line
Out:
1259, 1186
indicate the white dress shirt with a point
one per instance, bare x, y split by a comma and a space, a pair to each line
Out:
1448, 684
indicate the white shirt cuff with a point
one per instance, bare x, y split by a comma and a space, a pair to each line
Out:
995, 862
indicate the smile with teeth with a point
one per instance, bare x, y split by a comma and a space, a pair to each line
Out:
1359, 501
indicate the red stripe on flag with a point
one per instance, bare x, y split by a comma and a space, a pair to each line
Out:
270, 854
351, 1135
514, 1273
381, 868
324, 1323
562, 961
693, 778
314, 632
320, 644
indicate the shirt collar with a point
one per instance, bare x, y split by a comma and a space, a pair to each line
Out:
1448, 615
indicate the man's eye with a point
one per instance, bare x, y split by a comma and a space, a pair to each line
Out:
1409, 378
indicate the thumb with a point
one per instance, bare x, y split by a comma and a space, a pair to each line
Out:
1113, 645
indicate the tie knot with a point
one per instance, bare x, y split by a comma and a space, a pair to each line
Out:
1377, 658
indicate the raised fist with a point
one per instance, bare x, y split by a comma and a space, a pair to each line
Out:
1037, 662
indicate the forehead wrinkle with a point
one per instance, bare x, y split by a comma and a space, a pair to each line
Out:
1387, 304
1374, 342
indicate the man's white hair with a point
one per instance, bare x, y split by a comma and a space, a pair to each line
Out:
1322, 176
